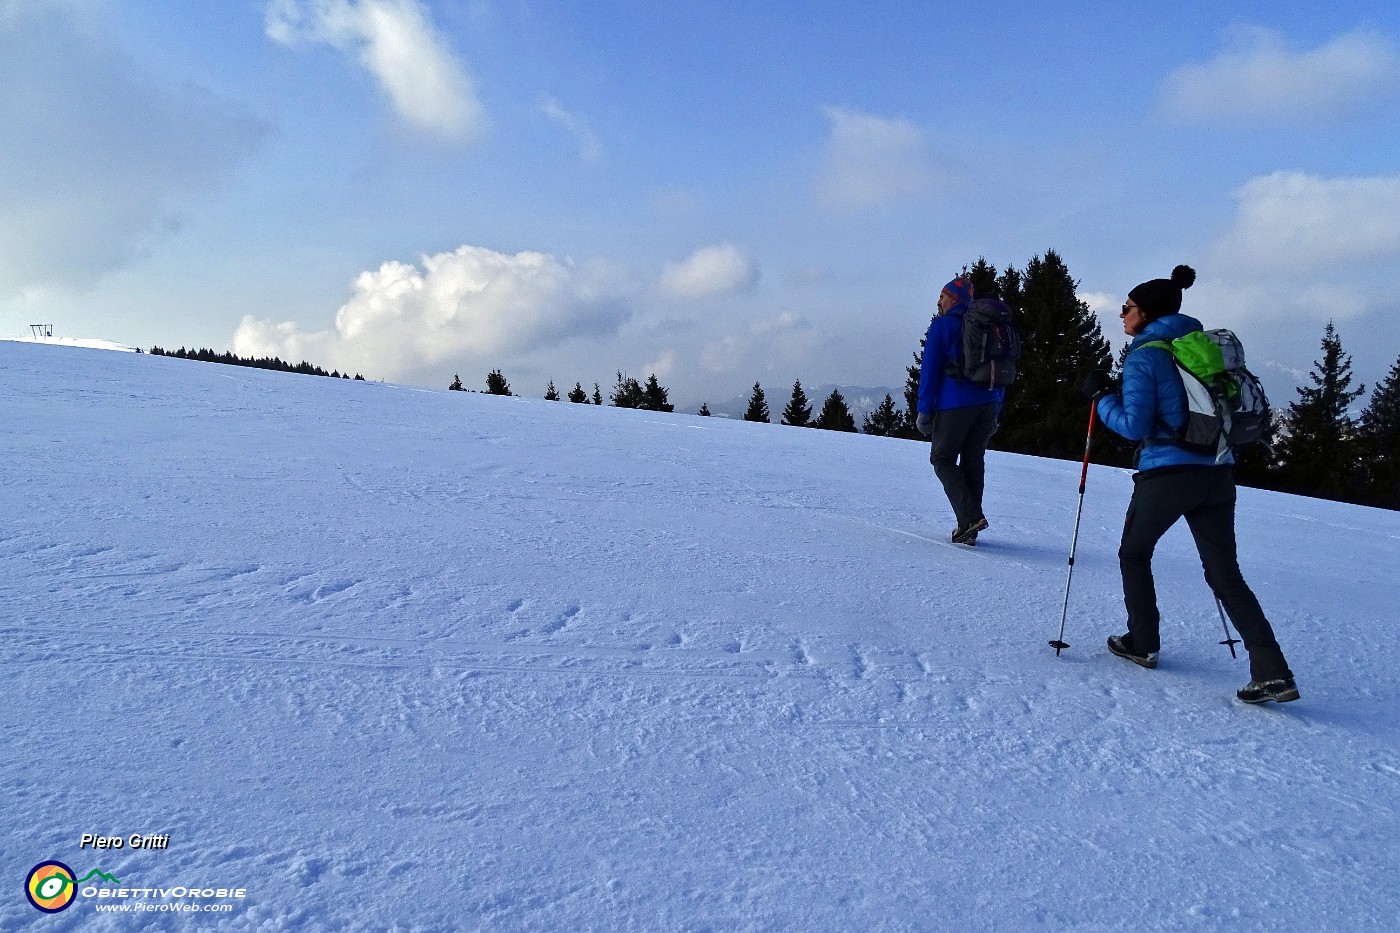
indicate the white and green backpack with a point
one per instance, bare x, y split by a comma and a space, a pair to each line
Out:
1226, 405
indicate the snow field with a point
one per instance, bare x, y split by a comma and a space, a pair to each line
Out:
398, 659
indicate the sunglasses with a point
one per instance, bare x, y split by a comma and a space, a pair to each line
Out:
1127, 308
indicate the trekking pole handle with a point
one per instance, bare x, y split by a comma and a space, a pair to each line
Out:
1088, 442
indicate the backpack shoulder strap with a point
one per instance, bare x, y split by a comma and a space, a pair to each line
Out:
1158, 344
1173, 436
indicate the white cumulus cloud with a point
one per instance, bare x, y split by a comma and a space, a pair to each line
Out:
1291, 222
722, 269
1260, 78
472, 304
396, 41
1302, 249
870, 161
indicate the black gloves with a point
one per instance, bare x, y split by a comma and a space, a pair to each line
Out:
925, 423
1095, 384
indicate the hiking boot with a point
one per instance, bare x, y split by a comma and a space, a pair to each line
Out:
969, 531
1122, 645
1262, 691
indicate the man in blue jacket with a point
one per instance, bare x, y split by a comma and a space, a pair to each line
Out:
959, 416
1172, 483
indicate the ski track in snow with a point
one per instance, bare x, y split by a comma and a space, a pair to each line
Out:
439, 661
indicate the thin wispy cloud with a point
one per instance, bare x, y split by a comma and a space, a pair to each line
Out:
722, 269
397, 43
662, 366
472, 304
1261, 78
12, 10
763, 345
590, 148
871, 161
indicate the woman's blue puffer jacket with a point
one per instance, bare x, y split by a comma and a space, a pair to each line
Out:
1152, 406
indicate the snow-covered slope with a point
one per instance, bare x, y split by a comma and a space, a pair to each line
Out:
91, 343
386, 658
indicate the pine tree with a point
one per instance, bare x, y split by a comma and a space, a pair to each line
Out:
704, 411
1009, 287
1320, 452
627, 393
758, 406
1380, 442
496, 383
654, 396
1061, 342
456, 384
983, 276
911, 393
597, 395
550, 393
835, 416
798, 413
577, 395
885, 421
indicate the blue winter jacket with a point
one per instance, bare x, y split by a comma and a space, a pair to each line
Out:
939, 391
1152, 406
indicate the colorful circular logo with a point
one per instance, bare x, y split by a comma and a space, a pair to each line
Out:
50, 887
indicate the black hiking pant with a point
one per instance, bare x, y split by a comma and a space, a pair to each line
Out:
1205, 497
959, 455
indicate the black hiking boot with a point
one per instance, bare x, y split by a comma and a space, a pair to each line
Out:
969, 540
1122, 645
967, 534
1281, 690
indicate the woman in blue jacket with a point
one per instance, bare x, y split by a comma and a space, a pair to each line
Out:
1172, 483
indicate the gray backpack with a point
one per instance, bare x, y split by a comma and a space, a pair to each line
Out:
1226, 405
991, 345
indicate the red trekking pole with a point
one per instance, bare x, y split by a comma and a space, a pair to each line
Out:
1059, 643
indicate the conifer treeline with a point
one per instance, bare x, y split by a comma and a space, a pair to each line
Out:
1327, 453
204, 355
1323, 451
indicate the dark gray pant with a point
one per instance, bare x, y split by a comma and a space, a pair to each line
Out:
1206, 499
959, 455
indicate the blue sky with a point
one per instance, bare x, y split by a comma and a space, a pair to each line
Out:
719, 193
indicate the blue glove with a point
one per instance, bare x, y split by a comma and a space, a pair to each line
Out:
925, 423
